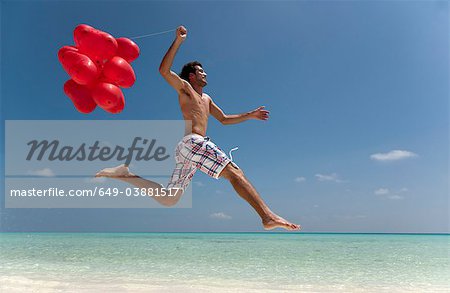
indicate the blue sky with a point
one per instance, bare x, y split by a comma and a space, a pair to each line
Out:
346, 82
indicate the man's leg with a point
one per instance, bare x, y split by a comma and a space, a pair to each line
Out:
122, 173
245, 189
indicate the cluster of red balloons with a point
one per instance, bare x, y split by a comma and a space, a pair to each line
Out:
98, 65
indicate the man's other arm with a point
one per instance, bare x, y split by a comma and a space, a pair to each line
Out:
260, 114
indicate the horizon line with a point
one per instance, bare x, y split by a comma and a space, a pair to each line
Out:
237, 232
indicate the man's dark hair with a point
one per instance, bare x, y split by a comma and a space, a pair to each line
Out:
189, 68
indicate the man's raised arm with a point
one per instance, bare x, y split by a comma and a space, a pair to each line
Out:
165, 68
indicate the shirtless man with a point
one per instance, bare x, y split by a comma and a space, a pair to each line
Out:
196, 150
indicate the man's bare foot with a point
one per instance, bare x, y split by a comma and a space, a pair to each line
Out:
115, 172
278, 222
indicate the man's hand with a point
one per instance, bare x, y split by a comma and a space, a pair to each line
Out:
260, 114
181, 33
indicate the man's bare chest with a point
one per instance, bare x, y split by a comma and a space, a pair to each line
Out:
194, 100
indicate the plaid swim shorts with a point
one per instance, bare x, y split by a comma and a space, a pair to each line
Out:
196, 152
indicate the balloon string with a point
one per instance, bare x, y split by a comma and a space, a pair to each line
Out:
154, 34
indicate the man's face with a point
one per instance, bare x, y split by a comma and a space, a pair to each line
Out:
200, 76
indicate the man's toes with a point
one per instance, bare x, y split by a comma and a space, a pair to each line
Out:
100, 174
292, 226
288, 225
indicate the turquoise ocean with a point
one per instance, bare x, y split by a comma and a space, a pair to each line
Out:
223, 262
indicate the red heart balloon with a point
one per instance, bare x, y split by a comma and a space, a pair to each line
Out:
107, 95
80, 68
81, 32
95, 43
80, 96
119, 72
127, 49
64, 50
117, 108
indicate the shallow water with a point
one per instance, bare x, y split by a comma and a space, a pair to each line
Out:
224, 262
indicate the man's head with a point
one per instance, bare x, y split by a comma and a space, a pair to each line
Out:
193, 73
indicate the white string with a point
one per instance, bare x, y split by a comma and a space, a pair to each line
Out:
232, 150
153, 34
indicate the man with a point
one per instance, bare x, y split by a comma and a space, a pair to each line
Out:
195, 150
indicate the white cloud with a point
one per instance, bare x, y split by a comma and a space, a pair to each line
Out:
331, 177
389, 195
393, 155
46, 172
395, 197
300, 179
199, 183
381, 191
221, 216
96, 180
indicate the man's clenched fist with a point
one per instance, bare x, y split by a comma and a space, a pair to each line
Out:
181, 33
